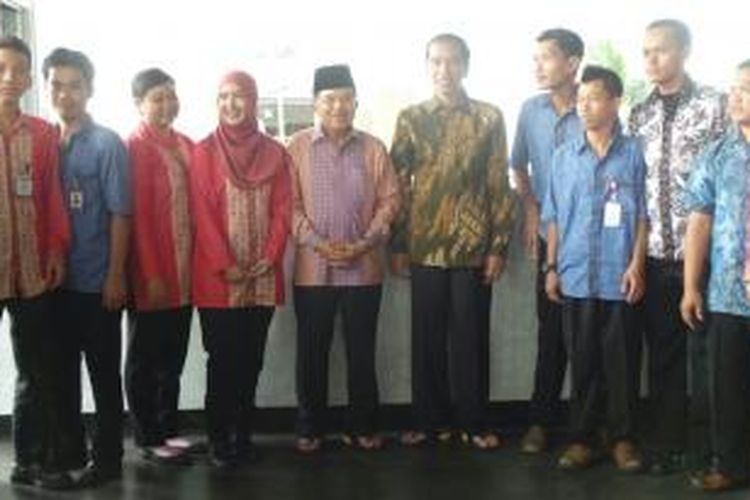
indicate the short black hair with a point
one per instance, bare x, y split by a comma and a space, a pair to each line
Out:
147, 79
70, 58
570, 42
743, 65
679, 30
611, 80
17, 45
460, 43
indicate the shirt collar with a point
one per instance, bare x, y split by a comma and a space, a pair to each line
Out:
686, 91
546, 101
435, 104
318, 135
582, 145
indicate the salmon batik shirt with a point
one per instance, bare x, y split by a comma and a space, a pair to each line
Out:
33, 222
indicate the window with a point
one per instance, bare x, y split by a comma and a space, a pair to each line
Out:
283, 116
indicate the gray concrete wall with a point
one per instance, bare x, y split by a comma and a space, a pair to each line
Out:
513, 346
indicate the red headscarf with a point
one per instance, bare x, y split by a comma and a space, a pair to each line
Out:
250, 156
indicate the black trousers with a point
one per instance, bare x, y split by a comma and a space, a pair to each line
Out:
90, 331
316, 308
450, 348
729, 385
603, 347
677, 421
157, 346
34, 415
551, 355
235, 341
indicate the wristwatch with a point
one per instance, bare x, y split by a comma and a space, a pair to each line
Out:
548, 267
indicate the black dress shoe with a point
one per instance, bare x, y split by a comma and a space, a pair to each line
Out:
247, 453
56, 481
96, 475
24, 474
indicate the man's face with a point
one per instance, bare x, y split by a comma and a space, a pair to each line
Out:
597, 109
663, 58
235, 105
160, 106
15, 77
335, 109
739, 98
446, 68
552, 67
68, 92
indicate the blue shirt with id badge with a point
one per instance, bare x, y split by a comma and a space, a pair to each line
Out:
96, 181
597, 204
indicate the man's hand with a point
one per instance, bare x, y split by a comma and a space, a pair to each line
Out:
691, 308
493, 268
114, 294
633, 284
400, 265
552, 286
55, 272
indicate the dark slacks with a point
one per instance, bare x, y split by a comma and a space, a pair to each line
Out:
603, 347
235, 341
34, 415
157, 346
677, 421
551, 356
316, 308
729, 385
94, 333
450, 348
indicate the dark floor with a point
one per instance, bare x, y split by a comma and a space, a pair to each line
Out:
448, 472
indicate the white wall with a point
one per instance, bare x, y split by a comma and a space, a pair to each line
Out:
282, 42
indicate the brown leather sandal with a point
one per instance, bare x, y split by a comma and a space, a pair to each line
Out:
626, 456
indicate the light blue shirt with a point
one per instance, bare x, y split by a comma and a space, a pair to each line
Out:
539, 132
593, 255
718, 186
96, 183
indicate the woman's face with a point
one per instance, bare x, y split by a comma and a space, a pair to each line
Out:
236, 106
160, 106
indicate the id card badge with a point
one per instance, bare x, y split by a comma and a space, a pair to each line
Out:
612, 214
23, 185
76, 199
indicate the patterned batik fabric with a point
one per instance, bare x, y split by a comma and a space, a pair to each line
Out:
452, 167
670, 147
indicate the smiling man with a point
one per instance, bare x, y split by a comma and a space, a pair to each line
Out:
345, 197
717, 239
96, 185
450, 154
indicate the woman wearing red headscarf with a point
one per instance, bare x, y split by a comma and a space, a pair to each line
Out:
241, 205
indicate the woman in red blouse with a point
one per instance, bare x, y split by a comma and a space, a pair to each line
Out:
159, 319
241, 203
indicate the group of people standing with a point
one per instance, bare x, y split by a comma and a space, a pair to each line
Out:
619, 221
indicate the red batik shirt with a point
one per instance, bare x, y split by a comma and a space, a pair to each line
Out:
33, 221
162, 229
237, 225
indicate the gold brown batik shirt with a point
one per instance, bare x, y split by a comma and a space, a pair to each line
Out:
452, 167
